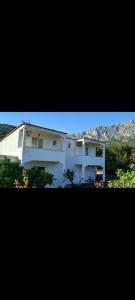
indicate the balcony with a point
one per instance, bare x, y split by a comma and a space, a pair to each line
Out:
89, 160
35, 154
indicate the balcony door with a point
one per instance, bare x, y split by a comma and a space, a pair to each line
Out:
86, 151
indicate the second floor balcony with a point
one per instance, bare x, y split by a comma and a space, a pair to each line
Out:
35, 154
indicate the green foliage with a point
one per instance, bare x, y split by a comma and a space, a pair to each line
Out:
38, 177
5, 129
118, 156
69, 174
9, 172
124, 179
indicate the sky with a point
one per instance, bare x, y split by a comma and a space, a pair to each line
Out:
70, 122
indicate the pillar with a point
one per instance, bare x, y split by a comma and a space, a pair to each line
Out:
83, 173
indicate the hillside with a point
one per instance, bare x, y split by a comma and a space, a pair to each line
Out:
123, 132
5, 129
120, 132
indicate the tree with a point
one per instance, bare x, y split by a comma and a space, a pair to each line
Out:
124, 179
118, 156
70, 175
38, 177
9, 172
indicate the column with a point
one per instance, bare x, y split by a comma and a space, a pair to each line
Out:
104, 174
23, 144
83, 173
104, 152
83, 147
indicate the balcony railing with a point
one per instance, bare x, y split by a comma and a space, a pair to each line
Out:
89, 160
35, 154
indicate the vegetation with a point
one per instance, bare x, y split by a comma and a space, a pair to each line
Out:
25, 182
118, 156
12, 175
38, 177
9, 172
5, 129
124, 179
70, 175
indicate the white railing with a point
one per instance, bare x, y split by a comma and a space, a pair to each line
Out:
89, 160
35, 154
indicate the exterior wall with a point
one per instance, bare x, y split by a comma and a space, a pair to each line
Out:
9, 146
70, 154
90, 172
78, 174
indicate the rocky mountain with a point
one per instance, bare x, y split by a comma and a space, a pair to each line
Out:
120, 132
5, 129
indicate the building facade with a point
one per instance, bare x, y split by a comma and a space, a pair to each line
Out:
53, 150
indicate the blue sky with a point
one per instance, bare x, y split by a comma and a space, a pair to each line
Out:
70, 122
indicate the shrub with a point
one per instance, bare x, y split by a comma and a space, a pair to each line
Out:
38, 177
70, 175
124, 179
9, 172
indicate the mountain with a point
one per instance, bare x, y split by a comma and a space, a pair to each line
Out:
5, 129
120, 132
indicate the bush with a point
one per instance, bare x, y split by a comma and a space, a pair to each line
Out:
118, 156
70, 175
124, 179
38, 177
9, 172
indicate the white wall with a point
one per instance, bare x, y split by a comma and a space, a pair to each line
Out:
48, 139
9, 145
78, 174
90, 172
70, 152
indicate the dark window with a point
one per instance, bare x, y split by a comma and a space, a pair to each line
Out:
34, 142
87, 151
79, 144
40, 143
54, 143
99, 152
69, 145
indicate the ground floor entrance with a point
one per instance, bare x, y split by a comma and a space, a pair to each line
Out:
86, 174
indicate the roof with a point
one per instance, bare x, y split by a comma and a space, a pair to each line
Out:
44, 128
85, 137
28, 124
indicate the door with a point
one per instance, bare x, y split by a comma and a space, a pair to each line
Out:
86, 151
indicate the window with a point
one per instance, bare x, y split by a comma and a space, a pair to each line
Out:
79, 144
54, 143
37, 143
69, 145
34, 142
87, 151
40, 143
99, 152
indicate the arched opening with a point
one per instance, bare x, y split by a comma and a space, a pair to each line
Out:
99, 173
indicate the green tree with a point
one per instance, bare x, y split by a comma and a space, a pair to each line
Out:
38, 177
70, 175
118, 156
124, 179
9, 172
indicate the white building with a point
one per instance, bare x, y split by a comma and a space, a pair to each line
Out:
53, 150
